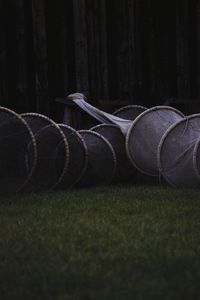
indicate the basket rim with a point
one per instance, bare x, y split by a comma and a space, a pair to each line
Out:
110, 147
160, 147
85, 150
32, 140
66, 145
105, 125
132, 127
123, 108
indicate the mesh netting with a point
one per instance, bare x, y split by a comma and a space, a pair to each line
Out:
101, 160
144, 135
178, 153
77, 157
124, 169
129, 112
101, 116
15, 140
52, 164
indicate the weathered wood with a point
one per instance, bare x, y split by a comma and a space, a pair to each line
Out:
81, 54
193, 54
21, 57
30, 56
97, 49
10, 62
131, 12
182, 27
3, 90
122, 50
127, 51
56, 49
41, 64
197, 47
103, 50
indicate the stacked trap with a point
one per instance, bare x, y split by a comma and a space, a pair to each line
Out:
159, 141
179, 153
37, 154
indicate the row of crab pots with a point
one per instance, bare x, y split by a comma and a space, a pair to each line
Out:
163, 142
37, 154
106, 151
32, 147
160, 142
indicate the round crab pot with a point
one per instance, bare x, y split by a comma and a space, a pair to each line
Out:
16, 140
101, 160
124, 169
179, 153
129, 112
77, 157
144, 136
49, 171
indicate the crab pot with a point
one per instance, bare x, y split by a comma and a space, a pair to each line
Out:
101, 160
129, 112
99, 115
179, 153
16, 139
144, 136
77, 157
52, 164
124, 169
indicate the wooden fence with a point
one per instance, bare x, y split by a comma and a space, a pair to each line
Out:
116, 52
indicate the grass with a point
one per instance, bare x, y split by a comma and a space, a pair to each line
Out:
119, 242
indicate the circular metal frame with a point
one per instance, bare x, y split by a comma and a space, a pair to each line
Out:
118, 112
123, 165
80, 138
111, 150
194, 153
63, 137
33, 144
132, 127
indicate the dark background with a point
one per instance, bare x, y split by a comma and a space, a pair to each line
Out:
116, 52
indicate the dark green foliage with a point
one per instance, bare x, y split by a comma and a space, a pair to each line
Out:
121, 242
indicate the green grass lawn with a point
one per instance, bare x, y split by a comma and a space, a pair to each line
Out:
119, 242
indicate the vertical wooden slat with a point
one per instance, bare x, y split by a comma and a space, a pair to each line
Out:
2, 55
11, 57
151, 50
195, 50
141, 53
137, 52
70, 55
103, 49
111, 21
183, 76
97, 49
30, 58
198, 43
172, 50
55, 46
143, 24
92, 50
122, 50
97, 52
131, 12
41, 65
81, 54
159, 57
21, 57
